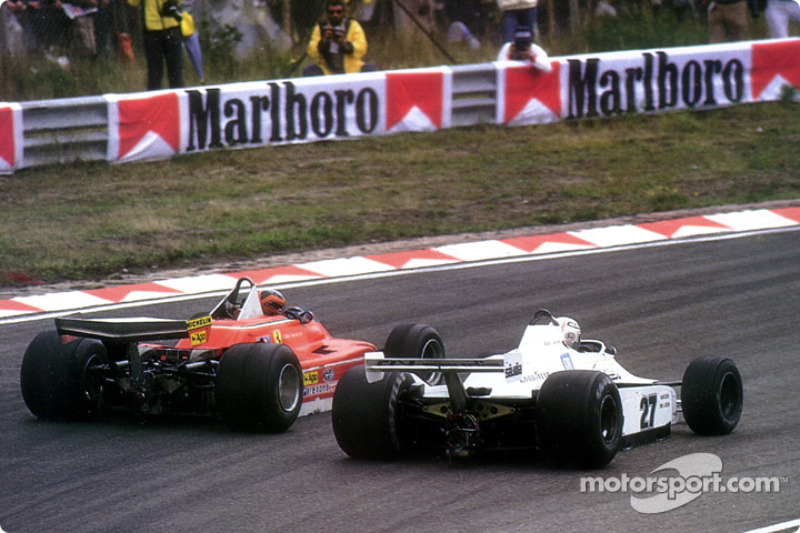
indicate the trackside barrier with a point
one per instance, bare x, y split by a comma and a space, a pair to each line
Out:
121, 128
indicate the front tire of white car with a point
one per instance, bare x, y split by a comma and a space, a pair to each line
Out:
418, 341
579, 418
712, 396
364, 414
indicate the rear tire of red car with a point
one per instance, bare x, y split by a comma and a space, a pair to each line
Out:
365, 418
259, 387
712, 396
62, 381
417, 341
579, 418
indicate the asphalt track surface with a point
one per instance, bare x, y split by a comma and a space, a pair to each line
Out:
660, 305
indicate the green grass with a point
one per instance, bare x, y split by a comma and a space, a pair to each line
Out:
89, 221
92, 221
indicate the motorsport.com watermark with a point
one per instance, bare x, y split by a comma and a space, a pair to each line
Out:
697, 473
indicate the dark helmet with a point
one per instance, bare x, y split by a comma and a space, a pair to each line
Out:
272, 302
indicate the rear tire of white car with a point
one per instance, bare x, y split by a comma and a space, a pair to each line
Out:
60, 381
259, 387
579, 418
712, 396
364, 416
417, 341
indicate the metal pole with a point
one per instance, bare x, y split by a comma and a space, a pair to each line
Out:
574, 18
287, 21
425, 31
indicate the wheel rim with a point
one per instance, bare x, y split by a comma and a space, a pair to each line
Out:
432, 349
91, 384
729, 396
608, 419
289, 387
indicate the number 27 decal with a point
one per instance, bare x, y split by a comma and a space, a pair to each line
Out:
648, 408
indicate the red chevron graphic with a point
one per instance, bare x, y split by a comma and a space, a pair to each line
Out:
118, 294
423, 90
159, 114
774, 59
669, 228
531, 244
525, 83
401, 259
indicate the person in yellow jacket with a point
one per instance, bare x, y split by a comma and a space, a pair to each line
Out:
338, 44
162, 41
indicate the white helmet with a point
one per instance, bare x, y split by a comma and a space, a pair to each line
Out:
570, 331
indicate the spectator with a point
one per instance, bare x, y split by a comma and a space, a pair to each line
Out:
44, 24
727, 20
161, 41
516, 13
79, 25
337, 44
779, 14
12, 33
604, 9
102, 27
522, 48
465, 21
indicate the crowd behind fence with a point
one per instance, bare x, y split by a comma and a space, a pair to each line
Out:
106, 28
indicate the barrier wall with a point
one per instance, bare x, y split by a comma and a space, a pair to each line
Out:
159, 125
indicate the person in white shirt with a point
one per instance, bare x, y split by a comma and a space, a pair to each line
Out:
779, 14
522, 48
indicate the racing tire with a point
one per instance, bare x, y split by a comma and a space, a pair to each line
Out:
579, 418
417, 341
259, 387
365, 415
63, 381
712, 396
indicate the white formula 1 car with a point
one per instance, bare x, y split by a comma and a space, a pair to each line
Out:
556, 394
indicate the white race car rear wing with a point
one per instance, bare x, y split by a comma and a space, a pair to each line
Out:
377, 362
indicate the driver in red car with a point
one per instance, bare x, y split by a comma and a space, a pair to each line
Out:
273, 303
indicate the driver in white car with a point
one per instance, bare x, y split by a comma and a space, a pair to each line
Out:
570, 331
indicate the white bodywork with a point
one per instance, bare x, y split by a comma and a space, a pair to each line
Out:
520, 373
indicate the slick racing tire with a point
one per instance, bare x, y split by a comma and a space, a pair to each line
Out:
579, 418
417, 341
63, 381
259, 387
712, 396
365, 415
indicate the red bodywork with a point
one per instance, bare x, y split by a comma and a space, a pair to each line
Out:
323, 358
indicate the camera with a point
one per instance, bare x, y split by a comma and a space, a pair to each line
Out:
338, 32
522, 44
170, 8
523, 37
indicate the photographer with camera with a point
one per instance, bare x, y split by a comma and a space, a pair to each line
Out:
522, 48
162, 41
337, 44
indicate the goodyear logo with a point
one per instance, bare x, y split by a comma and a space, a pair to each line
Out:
197, 323
310, 378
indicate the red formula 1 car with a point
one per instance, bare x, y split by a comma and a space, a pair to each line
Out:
256, 371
